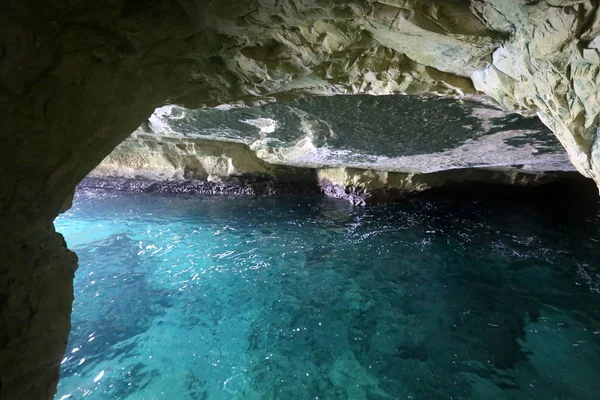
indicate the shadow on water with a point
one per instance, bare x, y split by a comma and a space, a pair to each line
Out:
572, 200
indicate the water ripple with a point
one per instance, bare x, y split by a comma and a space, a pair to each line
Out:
281, 298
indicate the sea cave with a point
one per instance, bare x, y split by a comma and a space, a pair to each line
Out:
299, 199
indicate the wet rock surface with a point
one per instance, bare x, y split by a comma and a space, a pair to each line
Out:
418, 134
365, 149
364, 187
250, 186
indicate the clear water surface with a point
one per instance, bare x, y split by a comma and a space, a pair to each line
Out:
188, 298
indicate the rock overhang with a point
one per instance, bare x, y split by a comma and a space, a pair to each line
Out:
394, 133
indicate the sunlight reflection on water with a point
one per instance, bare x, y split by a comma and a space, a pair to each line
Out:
181, 297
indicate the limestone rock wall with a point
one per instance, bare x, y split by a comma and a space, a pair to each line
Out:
401, 133
162, 158
363, 187
383, 146
36, 293
551, 66
181, 162
77, 77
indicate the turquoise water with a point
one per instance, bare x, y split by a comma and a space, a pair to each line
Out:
181, 297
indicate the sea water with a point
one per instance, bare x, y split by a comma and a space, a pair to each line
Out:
187, 298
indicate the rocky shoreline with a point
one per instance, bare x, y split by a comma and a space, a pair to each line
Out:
247, 187
346, 185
